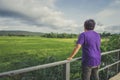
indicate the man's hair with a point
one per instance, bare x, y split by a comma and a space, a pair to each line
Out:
89, 24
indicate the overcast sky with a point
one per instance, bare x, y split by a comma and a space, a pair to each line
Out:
59, 15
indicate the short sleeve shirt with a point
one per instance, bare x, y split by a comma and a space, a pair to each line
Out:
91, 54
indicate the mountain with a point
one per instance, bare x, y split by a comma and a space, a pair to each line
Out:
19, 33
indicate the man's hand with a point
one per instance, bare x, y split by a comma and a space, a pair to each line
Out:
70, 58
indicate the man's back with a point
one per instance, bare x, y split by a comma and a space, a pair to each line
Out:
90, 48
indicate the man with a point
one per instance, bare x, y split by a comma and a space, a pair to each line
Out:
90, 41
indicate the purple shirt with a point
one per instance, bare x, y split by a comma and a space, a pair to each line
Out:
90, 41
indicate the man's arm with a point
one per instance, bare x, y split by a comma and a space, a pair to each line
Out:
76, 49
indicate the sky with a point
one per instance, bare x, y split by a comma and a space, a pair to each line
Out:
59, 16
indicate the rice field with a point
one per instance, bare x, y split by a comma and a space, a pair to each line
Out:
20, 52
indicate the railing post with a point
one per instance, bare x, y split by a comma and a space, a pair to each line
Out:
107, 77
117, 67
66, 72
118, 59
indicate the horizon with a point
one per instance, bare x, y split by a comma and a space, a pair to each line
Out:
51, 32
59, 16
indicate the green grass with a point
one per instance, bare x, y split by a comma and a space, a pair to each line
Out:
19, 52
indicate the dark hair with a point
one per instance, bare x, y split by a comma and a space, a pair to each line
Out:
89, 24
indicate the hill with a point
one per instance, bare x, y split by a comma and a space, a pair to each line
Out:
47, 35
20, 33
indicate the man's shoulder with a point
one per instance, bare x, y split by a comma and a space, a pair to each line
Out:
82, 33
89, 33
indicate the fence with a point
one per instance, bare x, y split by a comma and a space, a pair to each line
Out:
106, 67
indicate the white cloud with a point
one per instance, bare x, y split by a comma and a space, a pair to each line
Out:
110, 14
41, 12
109, 17
106, 13
42, 15
10, 22
116, 2
100, 29
113, 28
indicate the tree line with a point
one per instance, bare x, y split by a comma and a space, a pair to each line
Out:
49, 35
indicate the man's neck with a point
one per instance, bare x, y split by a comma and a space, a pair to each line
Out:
86, 30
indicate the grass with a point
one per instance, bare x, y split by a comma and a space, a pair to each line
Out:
20, 52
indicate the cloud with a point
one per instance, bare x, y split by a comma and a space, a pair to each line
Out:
108, 28
109, 17
41, 13
113, 29
106, 13
44, 15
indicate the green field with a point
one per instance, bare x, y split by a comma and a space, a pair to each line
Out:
19, 52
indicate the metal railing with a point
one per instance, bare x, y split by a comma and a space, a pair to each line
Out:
112, 68
66, 66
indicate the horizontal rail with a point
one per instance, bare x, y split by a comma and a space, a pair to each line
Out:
24, 70
109, 52
109, 66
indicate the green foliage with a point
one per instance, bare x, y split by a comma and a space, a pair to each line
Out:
60, 35
30, 51
21, 52
111, 43
105, 34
